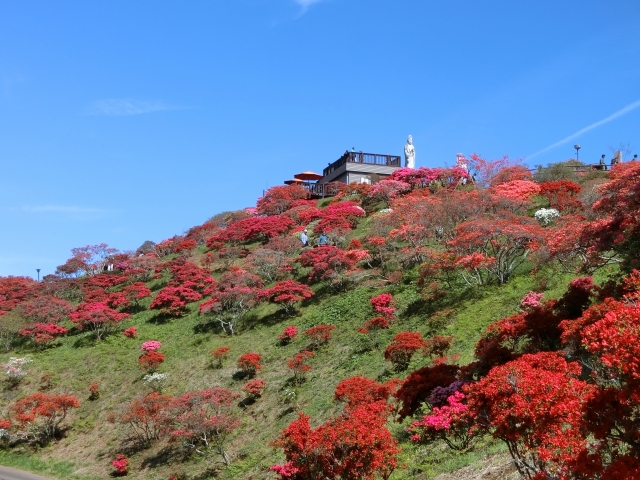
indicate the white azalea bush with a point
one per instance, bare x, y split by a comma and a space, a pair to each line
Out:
156, 381
546, 216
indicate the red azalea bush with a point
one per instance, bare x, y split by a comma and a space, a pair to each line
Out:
173, 300
383, 304
120, 464
14, 290
298, 365
287, 293
354, 445
37, 418
45, 309
250, 363
402, 348
42, 333
220, 355
327, 263
94, 391
289, 333
357, 391
150, 361
98, 317
319, 334
517, 189
204, 419
254, 388
131, 332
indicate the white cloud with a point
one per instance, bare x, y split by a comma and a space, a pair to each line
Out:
61, 209
305, 4
128, 107
610, 118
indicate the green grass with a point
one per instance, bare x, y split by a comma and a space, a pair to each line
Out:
92, 442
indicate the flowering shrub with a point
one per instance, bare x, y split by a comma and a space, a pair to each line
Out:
36, 418
145, 417
156, 381
298, 365
546, 216
150, 346
97, 316
327, 263
220, 355
205, 418
437, 346
377, 323
45, 309
357, 391
94, 391
249, 363
530, 301
290, 333
517, 189
382, 304
150, 361
173, 300
287, 294
131, 332
354, 445
319, 334
13, 369
120, 464
386, 190
402, 348
42, 333
450, 423
254, 388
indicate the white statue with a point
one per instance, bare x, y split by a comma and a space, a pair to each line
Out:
409, 154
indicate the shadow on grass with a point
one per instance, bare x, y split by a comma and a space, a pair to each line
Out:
246, 402
241, 375
160, 319
166, 456
286, 412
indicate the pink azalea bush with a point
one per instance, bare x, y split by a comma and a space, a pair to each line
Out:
151, 346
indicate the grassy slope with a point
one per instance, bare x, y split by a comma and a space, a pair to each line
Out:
91, 442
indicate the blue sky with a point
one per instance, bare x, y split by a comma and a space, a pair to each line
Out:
124, 121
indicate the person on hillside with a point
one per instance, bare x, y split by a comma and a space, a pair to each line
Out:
323, 240
304, 239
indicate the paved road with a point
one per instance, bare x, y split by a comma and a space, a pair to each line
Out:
7, 473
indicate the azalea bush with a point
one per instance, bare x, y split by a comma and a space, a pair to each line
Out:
120, 464
319, 334
156, 381
254, 388
289, 334
249, 363
150, 361
299, 366
14, 369
546, 216
402, 348
220, 355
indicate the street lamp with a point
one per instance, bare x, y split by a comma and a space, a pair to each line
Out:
38, 270
577, 147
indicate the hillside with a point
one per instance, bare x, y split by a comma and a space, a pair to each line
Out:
440, 255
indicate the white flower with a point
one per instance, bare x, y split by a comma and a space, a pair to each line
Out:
156, 381
546, 215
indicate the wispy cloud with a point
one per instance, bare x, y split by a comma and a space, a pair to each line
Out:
62, 209
128, 107
610, 118
305, 4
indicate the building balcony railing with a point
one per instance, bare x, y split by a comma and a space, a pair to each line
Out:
366, 158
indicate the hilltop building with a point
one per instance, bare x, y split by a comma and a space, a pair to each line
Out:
349, 168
